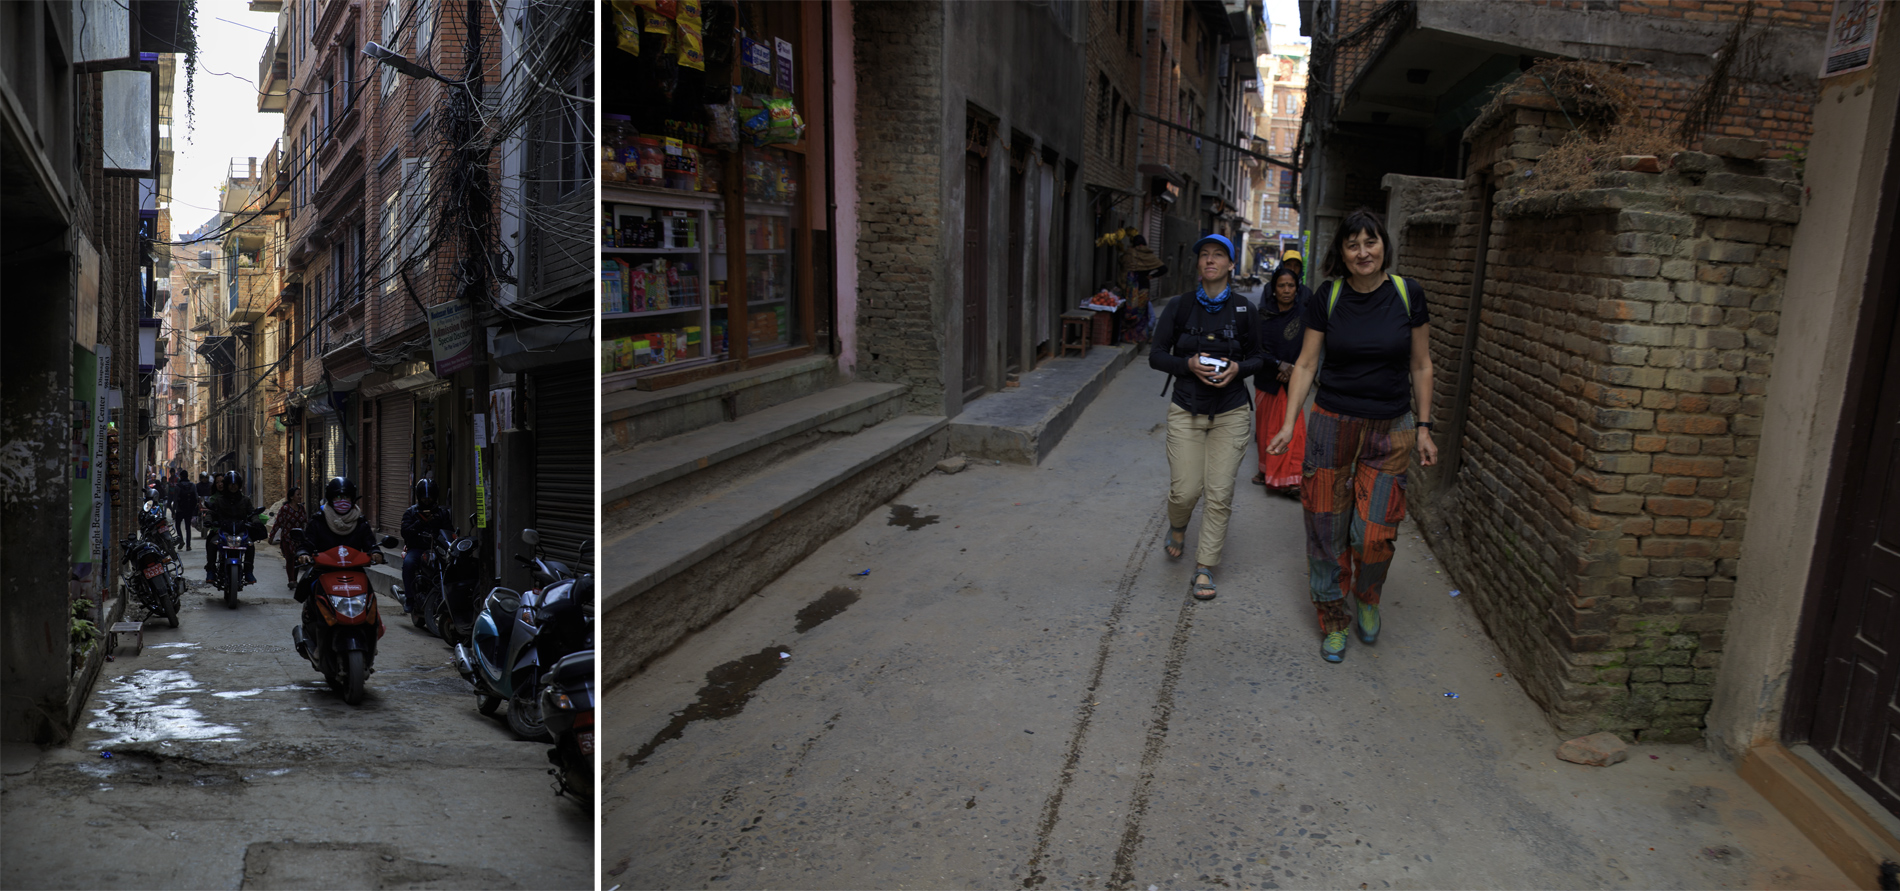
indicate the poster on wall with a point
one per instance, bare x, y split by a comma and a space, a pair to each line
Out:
452, 333
1850, 36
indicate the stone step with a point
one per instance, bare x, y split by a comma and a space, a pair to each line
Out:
644, 484
632, 417
676, 575
1022, 424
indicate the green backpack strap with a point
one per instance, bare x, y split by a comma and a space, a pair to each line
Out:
1332, 295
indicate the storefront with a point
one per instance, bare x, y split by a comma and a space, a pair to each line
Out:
712, 163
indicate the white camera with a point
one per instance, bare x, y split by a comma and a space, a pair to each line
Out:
1214, 364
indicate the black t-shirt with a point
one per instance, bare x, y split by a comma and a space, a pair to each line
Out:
1368, 364
1180, 332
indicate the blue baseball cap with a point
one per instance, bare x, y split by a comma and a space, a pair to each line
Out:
1222, 239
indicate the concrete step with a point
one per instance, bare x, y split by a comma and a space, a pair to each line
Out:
650, 481
676, 575
1021, 425
632, 417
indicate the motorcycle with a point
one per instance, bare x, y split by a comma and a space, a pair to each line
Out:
501, 658
154, 527
230, 541
340, 642
156, 580
567, 707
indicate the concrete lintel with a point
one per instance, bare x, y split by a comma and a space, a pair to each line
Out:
1789, 54
1021, 426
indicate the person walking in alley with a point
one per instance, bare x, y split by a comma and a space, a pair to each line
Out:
1373, 408
1294, 262
286, 529
1208, 343
184, 497
1280, 339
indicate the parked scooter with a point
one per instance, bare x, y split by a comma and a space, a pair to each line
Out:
156, 580
567, 708
501, 658
458, 565
340, 640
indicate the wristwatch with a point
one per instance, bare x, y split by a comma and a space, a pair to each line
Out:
1425, 424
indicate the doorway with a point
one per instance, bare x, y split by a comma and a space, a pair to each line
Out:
976, 291
1848, 664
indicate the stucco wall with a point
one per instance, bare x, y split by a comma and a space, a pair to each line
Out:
1853, 125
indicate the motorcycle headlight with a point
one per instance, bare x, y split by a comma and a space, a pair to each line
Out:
351, 607
560, 701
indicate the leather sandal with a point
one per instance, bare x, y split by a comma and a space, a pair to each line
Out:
1176, 544
1204, 590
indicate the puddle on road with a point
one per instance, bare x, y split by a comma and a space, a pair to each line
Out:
728, 688
168, 646
147, 705
237, 694
832, 603
906, 516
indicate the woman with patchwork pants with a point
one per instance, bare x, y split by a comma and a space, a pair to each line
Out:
1373, 408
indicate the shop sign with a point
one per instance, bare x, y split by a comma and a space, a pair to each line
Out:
452, 333
784, 48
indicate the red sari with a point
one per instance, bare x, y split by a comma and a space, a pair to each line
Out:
1281, 471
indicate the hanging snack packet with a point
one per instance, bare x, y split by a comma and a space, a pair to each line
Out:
785, 125
627, 27
658, 24
692, 33
724, 132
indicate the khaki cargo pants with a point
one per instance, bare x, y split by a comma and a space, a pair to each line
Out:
1204, 458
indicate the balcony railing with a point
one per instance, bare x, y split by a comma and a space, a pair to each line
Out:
273, 68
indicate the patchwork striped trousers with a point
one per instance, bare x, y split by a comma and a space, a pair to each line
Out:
1353, 488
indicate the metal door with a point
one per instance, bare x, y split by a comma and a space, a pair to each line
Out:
564, 455
976, 292
395, 437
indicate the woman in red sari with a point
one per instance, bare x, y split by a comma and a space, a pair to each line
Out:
1280, 338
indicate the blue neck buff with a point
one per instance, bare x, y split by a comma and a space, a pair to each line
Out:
1213, 304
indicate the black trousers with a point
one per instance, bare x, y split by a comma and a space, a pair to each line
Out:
181, 520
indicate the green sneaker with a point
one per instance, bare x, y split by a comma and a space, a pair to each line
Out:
1332, 647
1369, 622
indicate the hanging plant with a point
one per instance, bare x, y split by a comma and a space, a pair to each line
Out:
188, 14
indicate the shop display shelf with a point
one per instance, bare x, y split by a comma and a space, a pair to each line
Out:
650, 312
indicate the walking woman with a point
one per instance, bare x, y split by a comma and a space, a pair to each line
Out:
287, 529
1280, 339
1207, 341
1373, 408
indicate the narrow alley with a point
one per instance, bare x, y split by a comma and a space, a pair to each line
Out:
232, 764
1020, 693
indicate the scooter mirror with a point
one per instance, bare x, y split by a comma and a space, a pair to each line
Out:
530, 536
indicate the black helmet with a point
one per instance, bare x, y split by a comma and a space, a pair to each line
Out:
233, 479
425, 491
339, 487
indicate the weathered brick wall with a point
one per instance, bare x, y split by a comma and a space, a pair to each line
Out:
899, 62
1109, 57
1623, 351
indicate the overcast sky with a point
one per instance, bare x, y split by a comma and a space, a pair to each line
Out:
1285, 16
227, 124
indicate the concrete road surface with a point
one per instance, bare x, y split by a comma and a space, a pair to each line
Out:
235, 766
1021, 694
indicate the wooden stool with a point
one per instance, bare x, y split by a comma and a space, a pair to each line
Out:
1075, 332
136, 629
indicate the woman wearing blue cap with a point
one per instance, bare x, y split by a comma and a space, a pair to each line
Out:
1374, 407
1207, 342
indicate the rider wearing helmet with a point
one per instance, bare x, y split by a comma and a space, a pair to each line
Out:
228, 504
339, 521
420, 523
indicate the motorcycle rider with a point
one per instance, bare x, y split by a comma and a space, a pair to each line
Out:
420, 523
339, 521
229, 504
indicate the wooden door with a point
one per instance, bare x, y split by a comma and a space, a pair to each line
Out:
976, 291
1857, 717
1854, 713
1018, 264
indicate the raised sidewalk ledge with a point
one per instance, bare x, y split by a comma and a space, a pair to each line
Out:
1832, 812
1022, 425
622, 404
644, 466
638, 561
